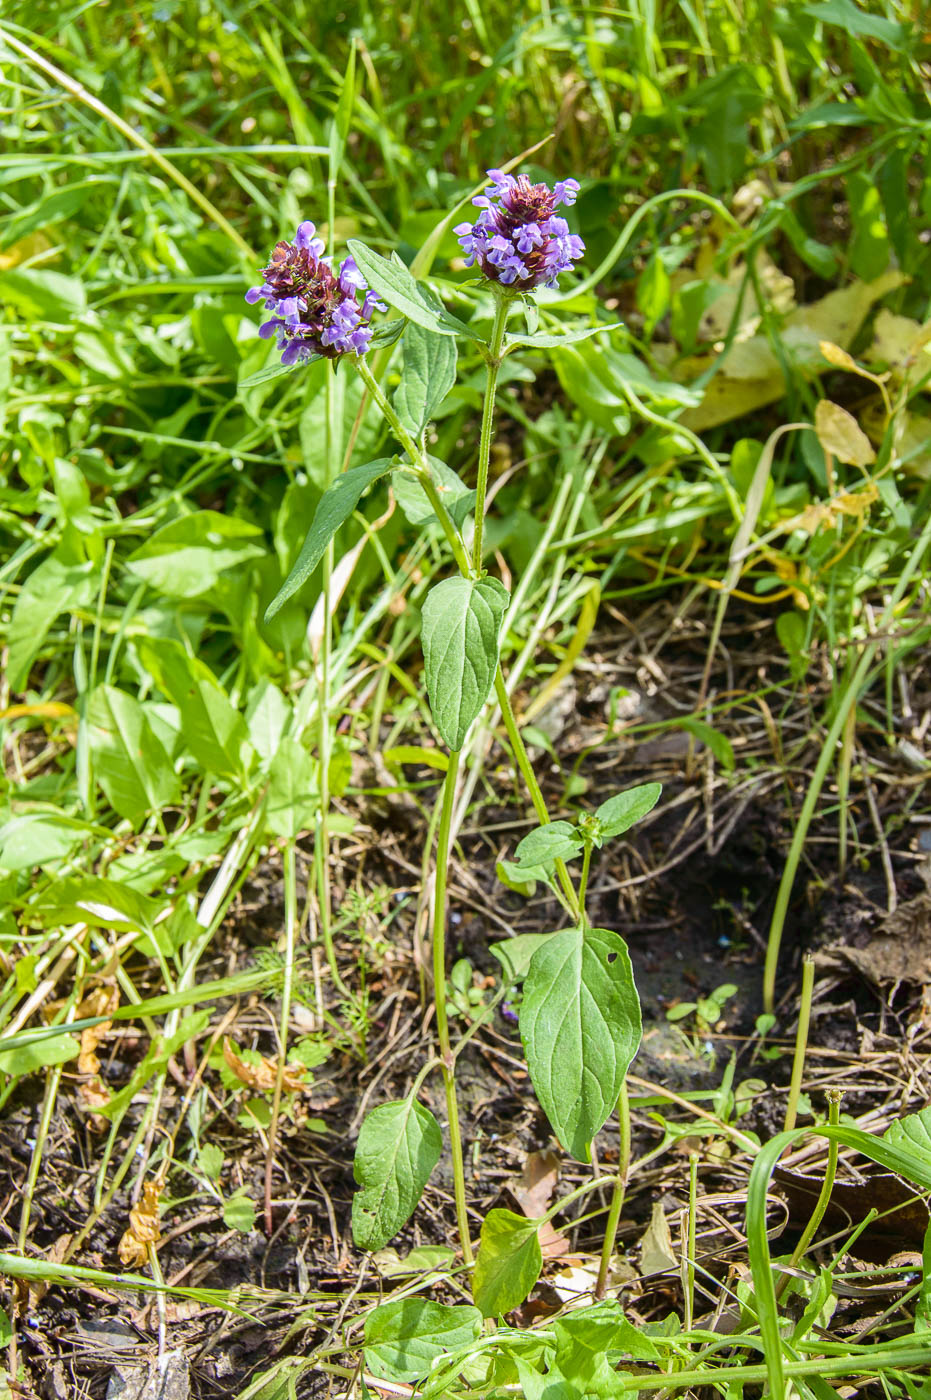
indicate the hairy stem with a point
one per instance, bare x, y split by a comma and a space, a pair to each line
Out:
502, 307
420, 464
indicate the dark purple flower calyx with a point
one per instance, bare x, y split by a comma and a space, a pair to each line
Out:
518, 240
314, 310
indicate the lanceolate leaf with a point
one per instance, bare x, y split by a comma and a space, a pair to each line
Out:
580, 1024
624, 810
428, 375
403, 1338
461, 622
391, 279
508, 1264
399, 1145
334, 510
544, 340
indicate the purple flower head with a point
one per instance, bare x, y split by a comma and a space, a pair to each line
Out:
518, 239
314, 310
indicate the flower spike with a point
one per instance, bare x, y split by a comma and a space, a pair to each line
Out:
314, 310
518, 240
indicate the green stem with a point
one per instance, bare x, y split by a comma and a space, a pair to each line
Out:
52, 1082
439, 996
533, 787
419, 464
801, 1041
689, 1271
583, 882
617, 1198
322, 842
821, 1205
502, 307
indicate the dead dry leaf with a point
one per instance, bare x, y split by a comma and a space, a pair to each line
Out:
656, 1251
841, 435
902, 1222
144, 1229
850, 503
537, 1183
750, 376
533, 1194
264, 1075
899, 950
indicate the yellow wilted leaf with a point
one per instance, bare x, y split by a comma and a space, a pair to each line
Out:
837, 357
750, 376
263, 1075
897, 339
49, 709
840, 434
27, 249
852, 503
143, 1226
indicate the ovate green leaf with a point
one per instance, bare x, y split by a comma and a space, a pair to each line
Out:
461, 623
56, 586
428, 374
554, 841
392, 280
187, 556
458, 498
398, 1147
912, 1133
128, 759
404, 1338
293, 792
508, 1264
580, 1024
23, 1059
624, 810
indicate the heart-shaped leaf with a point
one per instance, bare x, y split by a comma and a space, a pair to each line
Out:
580, 1024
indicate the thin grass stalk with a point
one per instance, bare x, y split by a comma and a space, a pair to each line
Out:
801, 1042
522, 758
834, 1097
439, 996
617, 1195
853, 687
79, 91
287, 989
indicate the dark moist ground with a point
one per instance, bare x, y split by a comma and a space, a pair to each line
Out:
692, 891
